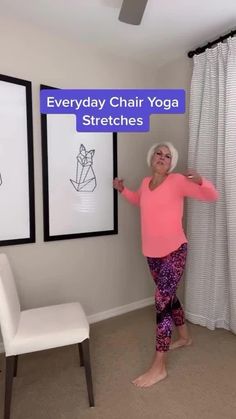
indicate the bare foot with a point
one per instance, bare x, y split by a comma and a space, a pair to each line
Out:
181, 342
152, 376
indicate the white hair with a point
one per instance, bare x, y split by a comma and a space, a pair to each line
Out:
173, 152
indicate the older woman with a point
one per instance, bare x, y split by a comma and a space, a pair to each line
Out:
161, 198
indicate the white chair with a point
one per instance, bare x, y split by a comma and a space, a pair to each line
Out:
26, 331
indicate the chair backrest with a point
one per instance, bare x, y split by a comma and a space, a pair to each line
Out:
9, 302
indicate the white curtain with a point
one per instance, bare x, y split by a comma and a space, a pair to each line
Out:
211, 227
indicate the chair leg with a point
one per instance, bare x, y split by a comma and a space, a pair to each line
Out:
15, 365
88, 373
81, 355
10, 364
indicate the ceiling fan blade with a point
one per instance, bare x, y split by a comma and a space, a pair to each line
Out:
132, 11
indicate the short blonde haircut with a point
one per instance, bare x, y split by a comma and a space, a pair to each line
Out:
173, 152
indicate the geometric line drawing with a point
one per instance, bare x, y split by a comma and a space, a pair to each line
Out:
85, 180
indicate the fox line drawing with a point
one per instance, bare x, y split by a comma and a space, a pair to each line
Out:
85, 180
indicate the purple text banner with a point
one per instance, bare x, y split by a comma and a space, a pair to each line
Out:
112, 110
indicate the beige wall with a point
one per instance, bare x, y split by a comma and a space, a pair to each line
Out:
102, 272
176, 74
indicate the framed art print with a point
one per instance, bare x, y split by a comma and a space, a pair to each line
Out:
17, 214
78, 170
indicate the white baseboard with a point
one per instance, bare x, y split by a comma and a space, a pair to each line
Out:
117, 311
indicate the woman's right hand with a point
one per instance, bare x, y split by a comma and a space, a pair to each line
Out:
118, 184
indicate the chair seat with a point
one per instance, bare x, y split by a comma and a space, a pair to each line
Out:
49, 327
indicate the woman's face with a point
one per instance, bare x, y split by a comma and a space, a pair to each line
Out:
161, 160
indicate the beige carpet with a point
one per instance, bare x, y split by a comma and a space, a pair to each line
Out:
201, 382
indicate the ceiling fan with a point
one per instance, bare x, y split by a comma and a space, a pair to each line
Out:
132, 11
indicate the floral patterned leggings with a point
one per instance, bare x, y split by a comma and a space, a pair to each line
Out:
167, 272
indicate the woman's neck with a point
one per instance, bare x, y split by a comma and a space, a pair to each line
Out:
158, 178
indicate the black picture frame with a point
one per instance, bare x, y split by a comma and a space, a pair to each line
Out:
17, 212
54, 203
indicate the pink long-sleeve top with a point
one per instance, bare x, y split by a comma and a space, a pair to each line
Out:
161, 211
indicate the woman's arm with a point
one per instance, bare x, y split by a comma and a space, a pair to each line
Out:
132, 197
195, 186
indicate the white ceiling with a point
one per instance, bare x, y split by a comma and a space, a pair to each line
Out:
169, 28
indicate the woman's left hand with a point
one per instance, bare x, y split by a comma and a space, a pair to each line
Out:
193, 176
